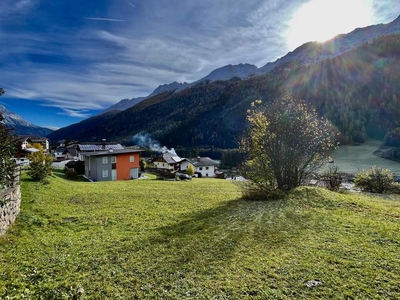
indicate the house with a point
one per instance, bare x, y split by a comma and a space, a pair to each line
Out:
59, 153
25, 141
120, 164
42, 141
103, 146
168, 161
204, 166
71, 152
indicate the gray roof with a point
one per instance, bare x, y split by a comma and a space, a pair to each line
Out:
171, 158
202, 162
93, 147
110, 152
70, 150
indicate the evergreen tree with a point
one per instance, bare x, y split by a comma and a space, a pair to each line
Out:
7, 151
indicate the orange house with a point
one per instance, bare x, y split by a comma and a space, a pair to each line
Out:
112, 164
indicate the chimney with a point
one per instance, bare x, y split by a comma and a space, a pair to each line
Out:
198, 158
103, 143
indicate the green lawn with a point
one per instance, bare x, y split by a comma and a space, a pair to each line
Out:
149, 239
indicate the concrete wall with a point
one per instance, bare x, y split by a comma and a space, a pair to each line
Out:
10, 202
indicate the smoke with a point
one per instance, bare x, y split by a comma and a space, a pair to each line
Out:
144, 140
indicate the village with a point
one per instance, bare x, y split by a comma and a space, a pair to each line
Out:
108, 161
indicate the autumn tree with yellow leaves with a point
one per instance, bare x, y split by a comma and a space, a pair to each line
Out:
285, 142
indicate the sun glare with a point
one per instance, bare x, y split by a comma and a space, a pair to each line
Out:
321, 20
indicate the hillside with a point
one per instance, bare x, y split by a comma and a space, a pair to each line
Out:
20, 126
129, 240
356, 91
307, 54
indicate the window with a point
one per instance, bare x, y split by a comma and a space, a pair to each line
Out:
201, 168
105, 173
104, 160
131, 158
113, 159
206, 168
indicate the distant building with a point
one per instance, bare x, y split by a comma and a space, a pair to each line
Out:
24, 145
204, 166
168, 161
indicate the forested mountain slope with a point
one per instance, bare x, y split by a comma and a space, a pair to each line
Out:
357, 91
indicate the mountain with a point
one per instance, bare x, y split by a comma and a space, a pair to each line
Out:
357, 91
20, 126
123, 104
313, 52
307, 54
229, 71
352, 79
223, 73
174, 86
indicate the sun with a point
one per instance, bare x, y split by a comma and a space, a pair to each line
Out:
321, 20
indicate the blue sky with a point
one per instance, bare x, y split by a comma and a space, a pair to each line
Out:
64, 61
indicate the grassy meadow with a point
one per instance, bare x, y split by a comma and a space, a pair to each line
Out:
149, 239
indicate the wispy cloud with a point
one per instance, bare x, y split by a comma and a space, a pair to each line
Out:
74, 113
21, 4
130, 4
105, 19
58, 59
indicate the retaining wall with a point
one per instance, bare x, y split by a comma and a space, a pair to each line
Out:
10, 203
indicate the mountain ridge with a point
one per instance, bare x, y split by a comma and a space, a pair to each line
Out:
214, 112
307, 53
20, 126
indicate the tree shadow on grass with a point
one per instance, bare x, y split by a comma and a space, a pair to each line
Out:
215, 235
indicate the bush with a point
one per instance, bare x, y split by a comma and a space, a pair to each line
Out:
142, 164
256, 192
190, 170
332, 178
285, 142
40, 164
394, 188
374, 180
70, 173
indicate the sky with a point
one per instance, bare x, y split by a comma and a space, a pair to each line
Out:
64, 61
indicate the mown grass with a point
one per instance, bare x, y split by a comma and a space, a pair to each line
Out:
149, 239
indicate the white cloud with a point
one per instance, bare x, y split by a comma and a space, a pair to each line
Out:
97, 62
105, 19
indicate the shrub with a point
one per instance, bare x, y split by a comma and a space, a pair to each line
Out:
394, 188
332, 178
190, 170
285, 142
40, 164
256, 192
142, 164
374, 180
71, 173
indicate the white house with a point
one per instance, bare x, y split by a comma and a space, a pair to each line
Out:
168, 161
203, 165
59, 153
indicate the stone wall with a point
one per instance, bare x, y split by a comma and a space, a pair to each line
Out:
10, 203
